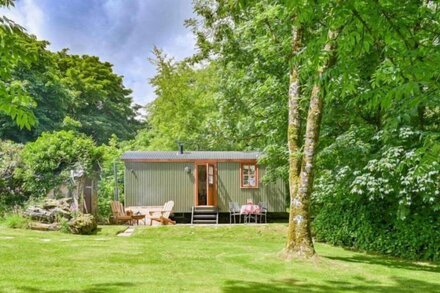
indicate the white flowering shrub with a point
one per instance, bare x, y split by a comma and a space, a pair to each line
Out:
398, 173
380, 192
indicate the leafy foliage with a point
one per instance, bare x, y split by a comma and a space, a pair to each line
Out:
251, 47
11, 192
99, 100
16, 48
384, 77
41, 80
377, 178
111, 154
48, 162
185, 100
387, 201
39, 88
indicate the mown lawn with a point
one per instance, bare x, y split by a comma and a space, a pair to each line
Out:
195, 259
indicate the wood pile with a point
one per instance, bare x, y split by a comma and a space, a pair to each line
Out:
50, 211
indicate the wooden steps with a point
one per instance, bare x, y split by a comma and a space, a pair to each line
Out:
204, 215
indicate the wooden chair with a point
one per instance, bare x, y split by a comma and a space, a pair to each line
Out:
119, 213
162, 216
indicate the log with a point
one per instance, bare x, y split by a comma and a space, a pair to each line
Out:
43, 227
60, 213
39, 214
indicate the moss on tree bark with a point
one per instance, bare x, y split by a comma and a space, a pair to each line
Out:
299, 238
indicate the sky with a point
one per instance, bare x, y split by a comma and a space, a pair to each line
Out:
122, 32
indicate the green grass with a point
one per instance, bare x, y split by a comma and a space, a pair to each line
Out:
16, 221
195, 259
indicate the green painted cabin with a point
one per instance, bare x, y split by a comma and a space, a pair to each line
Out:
199, 179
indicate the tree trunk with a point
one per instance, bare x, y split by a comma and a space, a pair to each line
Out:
299, 241
293, 136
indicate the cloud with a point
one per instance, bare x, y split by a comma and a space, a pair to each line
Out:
182, 46
118, 31
27, 14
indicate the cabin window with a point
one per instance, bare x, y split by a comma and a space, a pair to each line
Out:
211, 175
249, 176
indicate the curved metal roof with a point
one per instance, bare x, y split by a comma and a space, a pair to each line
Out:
199, 155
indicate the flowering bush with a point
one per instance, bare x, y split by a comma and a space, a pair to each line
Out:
387, 201
398, 174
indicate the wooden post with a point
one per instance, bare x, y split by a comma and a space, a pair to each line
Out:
115, 170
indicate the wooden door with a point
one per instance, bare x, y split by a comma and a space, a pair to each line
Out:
205, 184
211, 184
88, 191
201, 185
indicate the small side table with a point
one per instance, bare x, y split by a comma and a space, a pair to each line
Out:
137, 218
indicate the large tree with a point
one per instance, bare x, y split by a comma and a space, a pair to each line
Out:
40, 88
185, 101
41, 80
99, 100
341, 63
299, 238
15, 49
253, 41
251, 44
302, 164
374, 62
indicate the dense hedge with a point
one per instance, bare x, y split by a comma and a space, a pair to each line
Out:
386, 201
373, 226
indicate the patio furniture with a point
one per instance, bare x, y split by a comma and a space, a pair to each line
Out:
263, 211
119, 213
137, 217
162, 216
249, 212
234, 210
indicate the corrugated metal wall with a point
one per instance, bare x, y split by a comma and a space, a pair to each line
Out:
149, 184
229, 189
152, 184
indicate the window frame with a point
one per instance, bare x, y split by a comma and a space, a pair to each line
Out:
242, 176
210, 174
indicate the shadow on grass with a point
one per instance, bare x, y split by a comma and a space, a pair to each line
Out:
95, 288
388, 262
401, 285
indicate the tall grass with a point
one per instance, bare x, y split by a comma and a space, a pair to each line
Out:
16, 221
